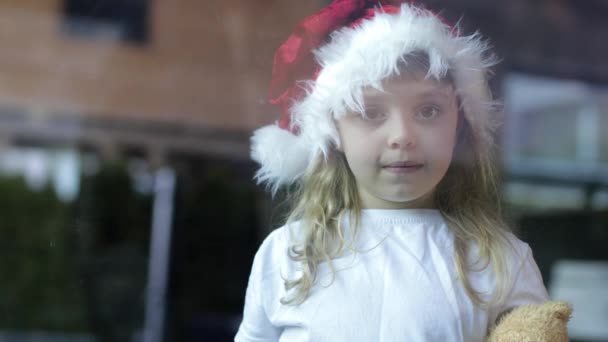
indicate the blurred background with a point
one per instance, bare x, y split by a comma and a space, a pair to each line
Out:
127, 206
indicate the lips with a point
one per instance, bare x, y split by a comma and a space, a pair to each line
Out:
403, 166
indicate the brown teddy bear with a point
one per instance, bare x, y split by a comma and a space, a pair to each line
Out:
546, 322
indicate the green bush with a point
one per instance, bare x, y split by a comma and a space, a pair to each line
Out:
39, 286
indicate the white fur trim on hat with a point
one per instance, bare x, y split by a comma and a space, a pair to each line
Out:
282, 155
364, 56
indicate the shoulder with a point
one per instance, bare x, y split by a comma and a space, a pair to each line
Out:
521, 267
272, 265
521, 264
523, 283
518, 267
273, 255
516, 251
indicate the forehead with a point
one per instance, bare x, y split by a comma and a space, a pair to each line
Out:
408, 84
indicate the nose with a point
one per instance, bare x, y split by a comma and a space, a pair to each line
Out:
402, 133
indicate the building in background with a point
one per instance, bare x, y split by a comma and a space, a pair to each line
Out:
97, 96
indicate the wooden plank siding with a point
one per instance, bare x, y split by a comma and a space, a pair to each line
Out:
206, 64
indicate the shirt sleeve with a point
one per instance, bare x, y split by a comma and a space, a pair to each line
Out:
255, 326
527, 288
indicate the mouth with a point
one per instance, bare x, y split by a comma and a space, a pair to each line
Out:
403, 166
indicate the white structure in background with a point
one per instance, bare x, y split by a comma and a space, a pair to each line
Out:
66, 174
158, 262
583, 285
554, 129
39, 166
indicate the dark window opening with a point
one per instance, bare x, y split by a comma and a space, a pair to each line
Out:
115, 20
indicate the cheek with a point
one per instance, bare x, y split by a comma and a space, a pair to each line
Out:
360, 156
439, 146
352, 144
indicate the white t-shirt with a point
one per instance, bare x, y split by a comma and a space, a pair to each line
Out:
400, 286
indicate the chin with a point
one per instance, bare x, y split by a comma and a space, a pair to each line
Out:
411, 199
403, 197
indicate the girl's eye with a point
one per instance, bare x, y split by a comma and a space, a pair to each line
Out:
429, 112
374, 113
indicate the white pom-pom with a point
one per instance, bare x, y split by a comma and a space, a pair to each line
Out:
283, 156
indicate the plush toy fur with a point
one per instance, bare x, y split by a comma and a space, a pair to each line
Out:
545, 322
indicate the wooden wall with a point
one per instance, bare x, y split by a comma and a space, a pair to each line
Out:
207, 62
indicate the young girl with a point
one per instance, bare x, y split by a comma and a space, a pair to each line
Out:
395, 232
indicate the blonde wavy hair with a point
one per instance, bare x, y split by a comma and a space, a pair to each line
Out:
467, 197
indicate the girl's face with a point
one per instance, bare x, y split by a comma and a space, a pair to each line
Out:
402, 146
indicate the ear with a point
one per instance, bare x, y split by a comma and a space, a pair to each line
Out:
546, 322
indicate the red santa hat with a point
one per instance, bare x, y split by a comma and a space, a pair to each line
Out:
320, 71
